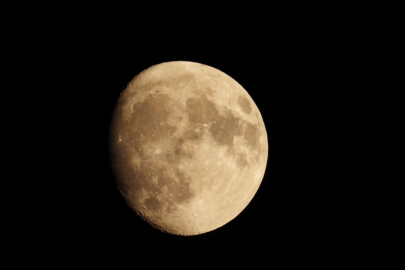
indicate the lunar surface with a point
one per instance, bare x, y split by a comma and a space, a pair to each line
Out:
188, 147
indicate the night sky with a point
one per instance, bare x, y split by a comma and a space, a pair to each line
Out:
295, 79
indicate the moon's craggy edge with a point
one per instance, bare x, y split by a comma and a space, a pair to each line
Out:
188, 147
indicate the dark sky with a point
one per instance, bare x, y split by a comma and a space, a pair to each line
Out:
295, 79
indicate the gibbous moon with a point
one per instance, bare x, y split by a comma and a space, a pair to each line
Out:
188, 147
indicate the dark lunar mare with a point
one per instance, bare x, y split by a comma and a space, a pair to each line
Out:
146, 126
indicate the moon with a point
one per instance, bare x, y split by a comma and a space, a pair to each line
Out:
188, 147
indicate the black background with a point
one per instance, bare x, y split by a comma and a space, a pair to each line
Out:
298, 77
